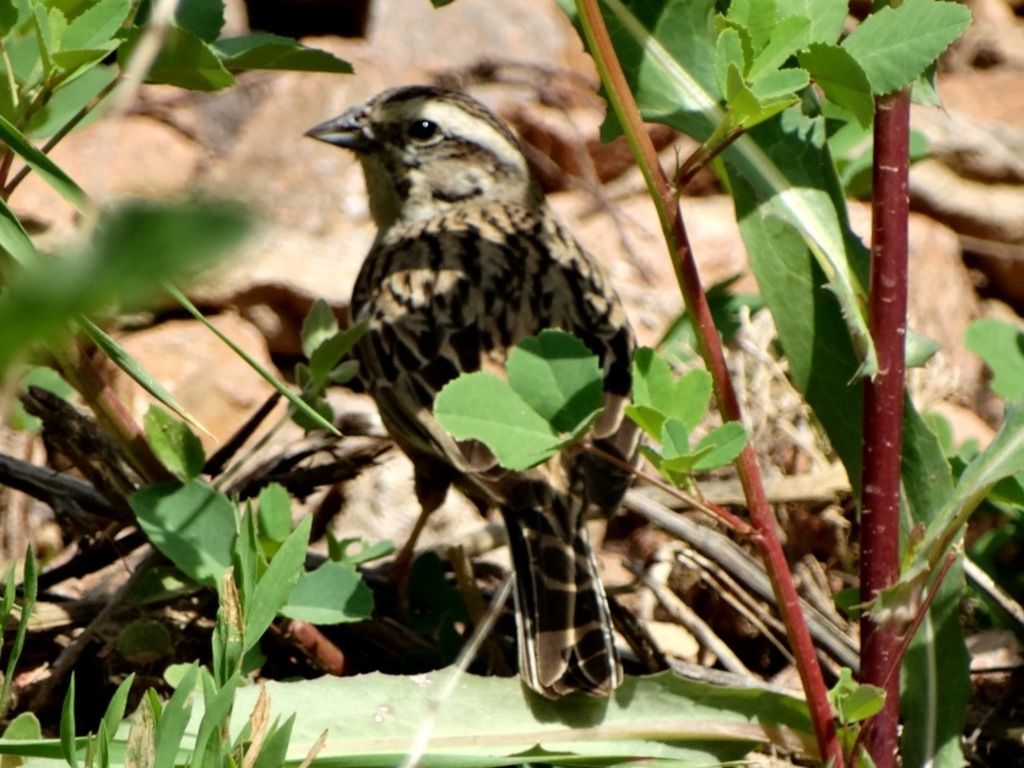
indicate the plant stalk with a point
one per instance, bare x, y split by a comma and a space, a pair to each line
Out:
621, 98
883, 411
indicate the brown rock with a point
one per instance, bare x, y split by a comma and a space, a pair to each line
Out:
987, 95
980, 209
210, 381
133, 155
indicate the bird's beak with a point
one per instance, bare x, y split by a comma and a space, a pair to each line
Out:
349, 130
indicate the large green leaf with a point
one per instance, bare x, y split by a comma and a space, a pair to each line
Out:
558, 377
264, 51
192, 524
332, 594
373, 720
668, 52
935, 682
896, 44
660, 719
185, 60
96, 25
485, 408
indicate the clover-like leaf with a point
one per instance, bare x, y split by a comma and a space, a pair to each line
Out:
722, 445
558, 376
482, 407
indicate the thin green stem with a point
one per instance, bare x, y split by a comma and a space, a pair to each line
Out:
59, 136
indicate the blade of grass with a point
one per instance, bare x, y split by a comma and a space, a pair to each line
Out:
63, 184
29, 587
280, 386
124, 360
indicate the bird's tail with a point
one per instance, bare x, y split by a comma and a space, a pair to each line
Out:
564, 627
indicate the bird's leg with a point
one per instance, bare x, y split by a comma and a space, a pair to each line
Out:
431, 494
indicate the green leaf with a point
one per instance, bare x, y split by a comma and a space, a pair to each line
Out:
217, 706
120, 357
814, 335
264, 51
338, 550
1001, 346
827, 17
70, 61
96, 25
174, 443
318, 325
728, 50
24, 727
170, 726
667, 50
326, 356
185, 60
722, 445
8, 16
68, 99
67, 726
558, 377
14, 240
192, 524
854, 702
842, 79
788, 36
274, 586
50, 26
274, 513
275, 746
675, 439
757, 17
780, 86
133, 248
50, 172
650, 420
115, 707
30, 588
203, 18
895, 45
332, 594
483, 407
1004, 457
471, 731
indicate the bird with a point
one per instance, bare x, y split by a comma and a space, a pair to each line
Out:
469, 260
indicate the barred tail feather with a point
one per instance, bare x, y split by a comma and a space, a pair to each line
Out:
562, 617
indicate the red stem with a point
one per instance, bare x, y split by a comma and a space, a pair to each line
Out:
710, 347
905, 641
883, 412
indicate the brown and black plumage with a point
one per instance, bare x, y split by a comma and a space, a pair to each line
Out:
468, 261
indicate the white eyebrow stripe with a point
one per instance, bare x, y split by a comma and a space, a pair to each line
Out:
458, 123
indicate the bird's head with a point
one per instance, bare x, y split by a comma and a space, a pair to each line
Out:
425, 150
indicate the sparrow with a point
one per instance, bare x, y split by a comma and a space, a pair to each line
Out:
468, 260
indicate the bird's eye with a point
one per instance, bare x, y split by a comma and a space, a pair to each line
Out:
422, 130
